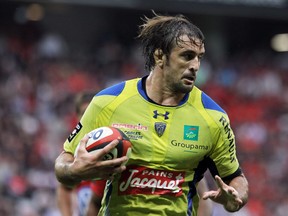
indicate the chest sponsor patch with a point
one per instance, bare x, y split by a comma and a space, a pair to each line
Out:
75, 131
143, 180
191, 132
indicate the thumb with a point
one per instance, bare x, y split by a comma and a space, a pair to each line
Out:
219, 182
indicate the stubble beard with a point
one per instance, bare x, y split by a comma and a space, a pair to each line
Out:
182, 88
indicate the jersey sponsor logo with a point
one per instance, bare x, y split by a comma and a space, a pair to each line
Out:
143, 180
133, 135
75, 131
191, 132
189, 146
130, 126
156, 114
160, 128
230, 137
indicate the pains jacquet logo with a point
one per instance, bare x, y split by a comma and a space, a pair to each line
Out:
191, 132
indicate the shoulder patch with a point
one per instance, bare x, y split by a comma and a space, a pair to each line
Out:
208, 103
114, 90
75, 132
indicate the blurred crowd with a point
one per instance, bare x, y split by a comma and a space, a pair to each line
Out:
39, 80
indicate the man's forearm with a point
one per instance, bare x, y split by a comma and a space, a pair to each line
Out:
64, 200
63, 171
240, 184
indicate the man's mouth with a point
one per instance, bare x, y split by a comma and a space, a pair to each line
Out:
189, 79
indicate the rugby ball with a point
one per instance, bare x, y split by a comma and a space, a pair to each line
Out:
100, 137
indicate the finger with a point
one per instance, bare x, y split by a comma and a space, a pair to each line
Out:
117, 162
232, 192
100, 153
235, 195
239, 201
83, 141
119, 169
82, 145
109, 147
219, 182
209, 194
110, 173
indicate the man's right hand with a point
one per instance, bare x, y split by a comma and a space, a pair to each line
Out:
88, 165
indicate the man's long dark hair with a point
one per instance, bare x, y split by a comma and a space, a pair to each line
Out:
164, 32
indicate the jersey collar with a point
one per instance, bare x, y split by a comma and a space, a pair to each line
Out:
142, 91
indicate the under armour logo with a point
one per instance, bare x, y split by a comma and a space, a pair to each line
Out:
156, 114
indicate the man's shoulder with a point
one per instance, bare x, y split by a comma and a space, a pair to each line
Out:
203, 101
116, 89
210, 110
210, 104
113, 90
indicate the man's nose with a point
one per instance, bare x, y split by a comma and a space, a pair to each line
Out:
194, 64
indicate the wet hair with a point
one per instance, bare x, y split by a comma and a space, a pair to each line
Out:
164, 32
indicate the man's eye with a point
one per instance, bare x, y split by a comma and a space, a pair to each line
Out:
188, 56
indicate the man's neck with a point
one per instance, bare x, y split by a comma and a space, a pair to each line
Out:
157, 93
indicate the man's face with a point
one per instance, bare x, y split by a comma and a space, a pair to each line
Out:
181, 66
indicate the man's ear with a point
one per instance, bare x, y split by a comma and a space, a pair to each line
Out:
159, 58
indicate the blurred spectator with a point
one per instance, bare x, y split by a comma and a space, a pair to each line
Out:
52, 46
38, 76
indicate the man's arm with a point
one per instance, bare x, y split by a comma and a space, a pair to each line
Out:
64, 199
63, 166
240, 184
233, 195
70, 169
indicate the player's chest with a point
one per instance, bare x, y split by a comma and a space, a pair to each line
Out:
176, 137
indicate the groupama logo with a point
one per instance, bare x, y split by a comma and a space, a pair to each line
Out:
191, 132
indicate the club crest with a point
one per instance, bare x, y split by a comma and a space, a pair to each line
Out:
160, 128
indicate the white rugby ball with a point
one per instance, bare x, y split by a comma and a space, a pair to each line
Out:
100, 137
